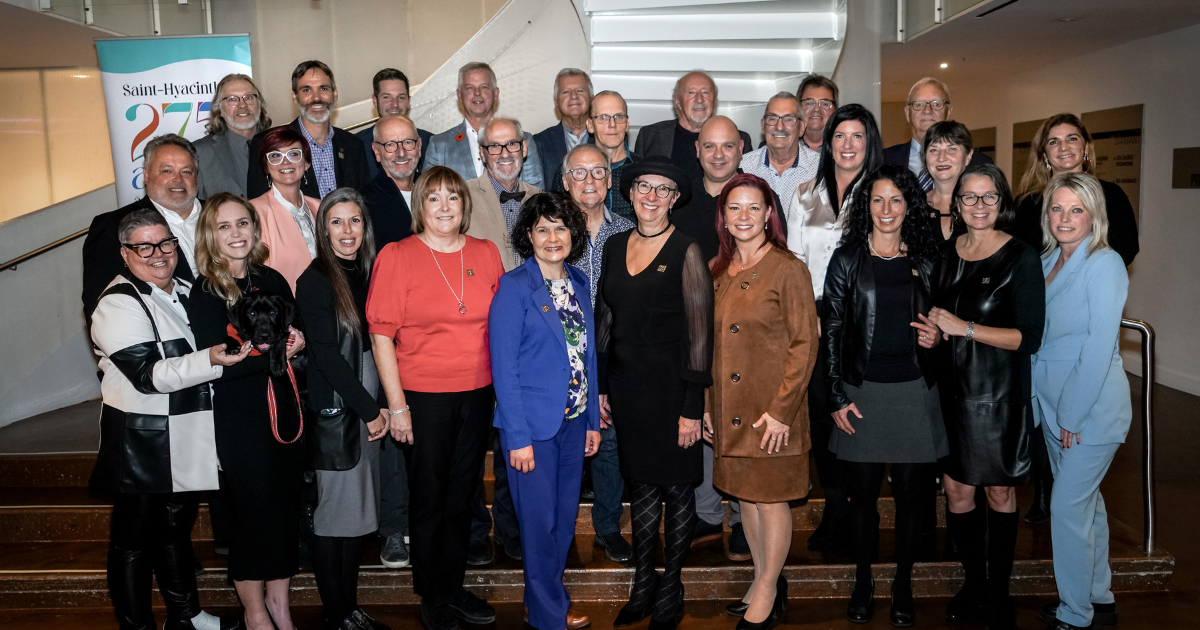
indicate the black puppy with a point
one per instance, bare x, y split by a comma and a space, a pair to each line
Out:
262, 318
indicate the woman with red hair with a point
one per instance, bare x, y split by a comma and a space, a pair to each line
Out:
765, 348
288, 217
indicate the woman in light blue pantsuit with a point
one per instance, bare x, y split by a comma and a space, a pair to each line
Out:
1081, 393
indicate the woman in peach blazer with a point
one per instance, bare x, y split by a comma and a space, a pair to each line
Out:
287, 216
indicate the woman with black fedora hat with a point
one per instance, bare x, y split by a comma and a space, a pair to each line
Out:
654, 335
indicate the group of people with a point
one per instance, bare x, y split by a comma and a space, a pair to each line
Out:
705, 315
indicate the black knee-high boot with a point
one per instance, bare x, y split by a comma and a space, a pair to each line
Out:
681, 519
969, 530
645, 511
1001, 546
1043, 482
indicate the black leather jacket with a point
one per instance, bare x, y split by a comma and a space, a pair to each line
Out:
849, 320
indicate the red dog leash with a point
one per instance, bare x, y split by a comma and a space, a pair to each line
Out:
271, 405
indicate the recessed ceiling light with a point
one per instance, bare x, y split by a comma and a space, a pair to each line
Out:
945, 65
1068, 19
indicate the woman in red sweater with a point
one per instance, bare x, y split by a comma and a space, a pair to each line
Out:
427, 311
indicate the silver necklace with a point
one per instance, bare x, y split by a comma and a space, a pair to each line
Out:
462, 310
871, 246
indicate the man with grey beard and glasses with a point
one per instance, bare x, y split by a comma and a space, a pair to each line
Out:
338, 158
695, 101
223, 156
397, 145
781, 162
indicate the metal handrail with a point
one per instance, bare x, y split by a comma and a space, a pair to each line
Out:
1149, 520
357, 126
12, 264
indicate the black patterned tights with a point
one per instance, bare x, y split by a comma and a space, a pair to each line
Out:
646, 512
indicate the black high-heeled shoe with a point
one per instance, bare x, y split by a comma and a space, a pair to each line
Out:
671, 622
778, 612
738, 608
628, 616
903, 613
862, 605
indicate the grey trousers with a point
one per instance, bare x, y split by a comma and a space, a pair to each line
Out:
708, 498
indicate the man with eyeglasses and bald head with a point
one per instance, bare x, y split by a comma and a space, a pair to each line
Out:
928, 103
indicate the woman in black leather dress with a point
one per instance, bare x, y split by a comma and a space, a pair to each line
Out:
989, 304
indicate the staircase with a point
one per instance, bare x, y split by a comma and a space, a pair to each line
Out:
753, 49
54, 533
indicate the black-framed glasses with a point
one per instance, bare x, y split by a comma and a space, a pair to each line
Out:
663, 191
146, 250
512, 146
971, 199
392, 146
603, 119
232, 100
937, 104
275, 158
809, 103
579, 174
773, 119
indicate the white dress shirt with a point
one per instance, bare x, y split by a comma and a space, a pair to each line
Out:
407, 194
184, 230
473, 142
814, 231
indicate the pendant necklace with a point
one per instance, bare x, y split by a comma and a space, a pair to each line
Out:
462, 310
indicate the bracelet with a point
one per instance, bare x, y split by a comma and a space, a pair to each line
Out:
971, 331
399, 411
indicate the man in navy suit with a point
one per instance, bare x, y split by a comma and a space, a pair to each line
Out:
389, 95
458, 147
928, 103
572, 103
397, 145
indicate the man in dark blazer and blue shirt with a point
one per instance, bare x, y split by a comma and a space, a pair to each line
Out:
389, 94
572, 104
695, 101
928, 103
338, 158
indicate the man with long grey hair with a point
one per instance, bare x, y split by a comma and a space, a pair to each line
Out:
238, 112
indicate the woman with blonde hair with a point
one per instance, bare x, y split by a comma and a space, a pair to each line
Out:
256, 415
1080, 394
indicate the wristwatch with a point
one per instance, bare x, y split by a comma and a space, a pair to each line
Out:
971, 331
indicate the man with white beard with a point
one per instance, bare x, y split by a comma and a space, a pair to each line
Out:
781, 163
337, 155
223, 155
695, 101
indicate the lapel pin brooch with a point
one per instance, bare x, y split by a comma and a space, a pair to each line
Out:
545, 309
987, 280
662, 268
459, 137
470, 272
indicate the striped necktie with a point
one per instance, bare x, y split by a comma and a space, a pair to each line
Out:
926, 180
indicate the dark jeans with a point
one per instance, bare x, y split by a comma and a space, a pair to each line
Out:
502, 510
393, 489
152, 536
445, 462
608, 484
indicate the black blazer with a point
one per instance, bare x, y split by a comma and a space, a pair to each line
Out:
659, 138
102, 254
391, 218
349, 165
898, 154
1122, 224
849, 319
552, 148
367, 137
334, 370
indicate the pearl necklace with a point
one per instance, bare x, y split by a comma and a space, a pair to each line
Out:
871, 246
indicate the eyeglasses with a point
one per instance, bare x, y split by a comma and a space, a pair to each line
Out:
773, 119
619, 119
970, 199
937, 104
232, 100
662, 191
580, 174
809, 103
275, 158
146, 250
512, 146
392, 146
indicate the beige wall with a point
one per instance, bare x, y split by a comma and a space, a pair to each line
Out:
355, 37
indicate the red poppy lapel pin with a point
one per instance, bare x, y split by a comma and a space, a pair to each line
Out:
459, 137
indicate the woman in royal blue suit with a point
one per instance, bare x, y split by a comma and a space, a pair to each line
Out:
543, 348
1081, 393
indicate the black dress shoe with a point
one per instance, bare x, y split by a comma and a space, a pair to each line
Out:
862, 604
512, 547
1103, 615
739, 548
615, 547
479, 553
471, 608
705, 532
227, 623
438, 617
349, 623
1059, 624
903, 613
366, 622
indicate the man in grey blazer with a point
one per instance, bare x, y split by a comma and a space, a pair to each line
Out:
695, 101
458, 148
223, 155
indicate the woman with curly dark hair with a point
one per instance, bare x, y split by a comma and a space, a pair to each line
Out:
541, 333
880, 378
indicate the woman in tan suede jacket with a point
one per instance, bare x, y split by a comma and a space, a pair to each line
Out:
765, 348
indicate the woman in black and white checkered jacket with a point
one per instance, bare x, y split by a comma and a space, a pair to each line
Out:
157, 449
